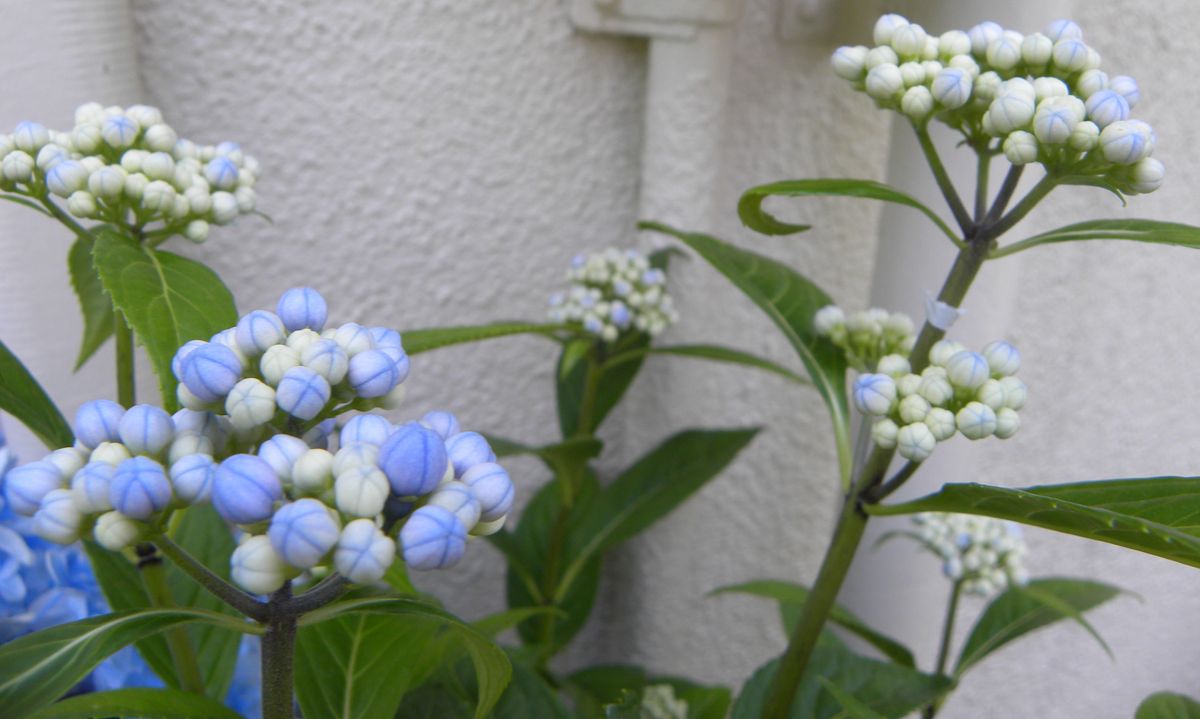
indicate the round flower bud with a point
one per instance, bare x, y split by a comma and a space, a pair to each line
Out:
326, 358
940, 422
886, 26
487, 529
1124, 142
1036, 50
908, 385
1091, 82
917, 102
143, 115
913, 74
1085, 136
467, 449
114, 531
443, 423
385, 337
82, 204
1010, 112
458, 499
301, 339
828, 319
257, 331
312, 474
159, 166
131, 161
884, 82
246, 199
915, 442
160, 138
135, 186
367, 428
67, 460
206, 423
189, 443
119, 132
1007, 422
490, 484
414, 458
1014, 392
302, 393
1055, 120
983, 35
192, 477
250, 404
353, 338
876, 56
277, 360
874, 394
359, 454
224, 208
245, 489
372, 373
181, 354
1106, 107
139, 488
158, 196
256, 567
393, 399
360, 491
936, 389
909, 40
221, 173
113, 453
66, 177
281, 453
967, 369
146, 429
30, 136
364, 553
1127, 88
849, 63
1146, 175
913, 409
302, 307
303, 532
17, 166
1021, 148
1070, 55
991, 393
432, 538
1093, 60
58, 520
98, 421
976, 420
954, 42
211, 371
894, 366
1064, 29
1005, 53
1003, 359
27, 485
199, 200
108, 182
952, 87
883, 433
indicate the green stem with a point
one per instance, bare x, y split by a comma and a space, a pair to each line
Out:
943, 179
944, 648
278, 657
1027, 203
981, 183
591, 383
183, 654
123, 341
215, 585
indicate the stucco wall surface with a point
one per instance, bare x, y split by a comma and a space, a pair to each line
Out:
438, 162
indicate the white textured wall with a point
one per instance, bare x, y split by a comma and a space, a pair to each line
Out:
438, 161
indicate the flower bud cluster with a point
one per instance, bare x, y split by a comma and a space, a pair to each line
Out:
866, 336
614, 292
125, 164
985, 554
1038, 98
960, 392
427, 483
286, 364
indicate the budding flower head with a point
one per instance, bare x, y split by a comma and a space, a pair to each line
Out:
982, 554
614, 292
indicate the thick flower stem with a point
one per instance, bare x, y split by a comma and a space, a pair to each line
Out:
183, 654
123, 341
947, 636
278, 657
217, 586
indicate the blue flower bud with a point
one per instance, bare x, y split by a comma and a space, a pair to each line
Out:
280, 453
363, 552
302, 307
326, 358
490, 484
181, 354
303, 532
98, 421
221, 173
467, 449
414, 460
209, 372
146, 429
302, 393
66, 177
58, 519
433, 538
444, 423
457, 498
373, 373
367, 428
192, 476
90, 486
27, 485
245, 489
139, 488
1106, 107
386, 337
257, 331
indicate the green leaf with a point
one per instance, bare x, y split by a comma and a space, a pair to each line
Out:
791, 598
23, 398
145, 703
581, 356
424, 340
96, 307
852, 708
529, 697
1155, 515
1152, 231
1168, 705
166, 299
38, 668
596, 687
373, 656
650, 489
715, 353
790, 301
753, 216
493, 624
889, 690
558, 456
1023, 609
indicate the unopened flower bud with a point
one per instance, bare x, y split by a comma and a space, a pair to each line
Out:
908, 385
245, 489
444, 424
256, 567
915, 442
883, 433
303, 532
368, 428
360, 491
913, 408
30, 136
952, 87
1004, 53
250, 404
1146, 175
353, 338
68, 460
849, 63
491, 485
967, 370
414, 458
1127, 88
17, 166
917, 102
114, 531
940, 422
1070, 54
432, 538
954, 42
942, 351
364, 553
1007, 422
886, 26
976, 420
146, 429
301, 308
913, 74
372, 373
827, 319
302, 393
112, 453
467, 449
1125, 142
211, 371
874, 394
58, 520
460, 500
983, 35
1106, 107
884, 82
909, 40
27, 485
893, 365
139, 488
1036, 50
936, 389
98, 421
359, 454
312, 473
192, 478
327, 358
224, 208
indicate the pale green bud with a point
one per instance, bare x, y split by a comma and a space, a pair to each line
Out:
883, 433
941, 424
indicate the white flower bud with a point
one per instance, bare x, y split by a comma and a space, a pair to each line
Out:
363, 552
930, 52
1063, 30
188, 399
982, 36
277, 360
313, 472
1127, 88
456, 498
913, 74
158, 196
66, 177
1070, 55
250, 404
199, 200
394, 398
942, 351
991, 393
58, 520
135, 185
1047, 87
915, 442
908, 385
1021, 148
874, 394
144, 115
17, 166
67, 461
1055, 120
913, 408
159, 166
952, 87
909, 40
1093, 60
1014, 392
1011, 111
1036, 50
257, 567
965, 63
90, 112
894, 366
361, 491
224, 208
1091, 82
1146, 175
1004, 53
976, 420
954, 42
940, 422
875, 57
917, 102
886, 27
1003, 359
1085, 136
246, 199
160, 138
81, 204
1106, 107
883, 433
967, 370
849, 63
358, 454
932, 68
936, 389
884, 82
108, 182
1125, 142
1007, 422
189, 443
486, 529
114, 531
110, 453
